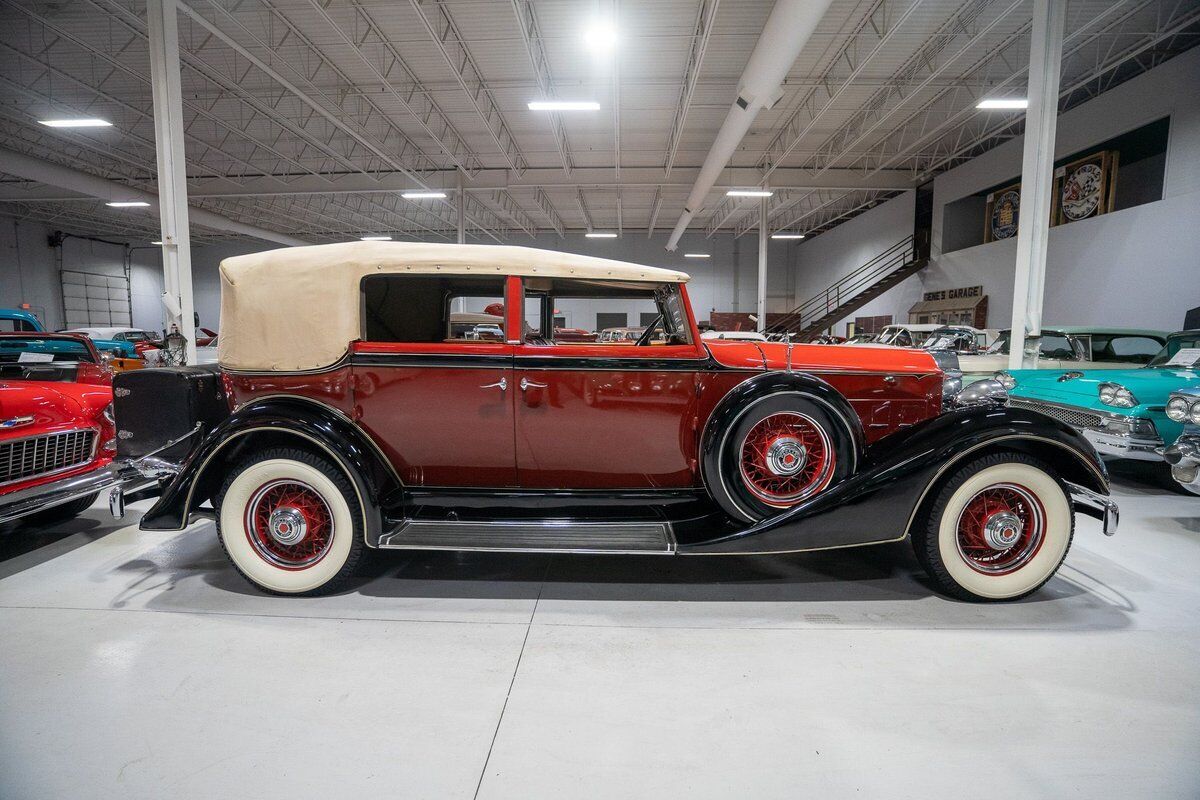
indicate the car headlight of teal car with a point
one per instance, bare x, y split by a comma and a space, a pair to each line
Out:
1182, 408
1116, 395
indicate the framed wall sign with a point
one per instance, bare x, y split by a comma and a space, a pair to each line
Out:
1085, 188
1003, 213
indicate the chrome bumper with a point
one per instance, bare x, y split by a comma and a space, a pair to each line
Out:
1184, 458
1117, 445
1103, 508
47, 495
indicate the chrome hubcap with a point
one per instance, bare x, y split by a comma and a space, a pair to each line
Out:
1002, 530
786, 456
287, 525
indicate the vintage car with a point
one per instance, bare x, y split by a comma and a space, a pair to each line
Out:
1184, 455
962, 339
57, 438
1072, 347
1121, 412
314, 444
902, 335
575, 335
145, 344
620, 335
119, 354
734, 336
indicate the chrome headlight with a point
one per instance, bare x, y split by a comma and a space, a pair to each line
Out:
952, 384
1178, 408
1005, 379
984, 392
1116, 395
1194, 414
109, 415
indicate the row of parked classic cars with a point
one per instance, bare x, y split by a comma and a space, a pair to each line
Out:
393, 427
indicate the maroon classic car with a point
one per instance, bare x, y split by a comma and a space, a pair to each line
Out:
385, 428
57, 437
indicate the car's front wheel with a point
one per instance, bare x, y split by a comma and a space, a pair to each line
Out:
997, 529
290, 522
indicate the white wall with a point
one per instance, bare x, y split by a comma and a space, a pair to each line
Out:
1138, 267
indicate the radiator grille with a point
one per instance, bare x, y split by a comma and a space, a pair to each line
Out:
1075, 417
24, 459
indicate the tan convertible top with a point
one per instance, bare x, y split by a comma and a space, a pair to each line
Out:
297, 308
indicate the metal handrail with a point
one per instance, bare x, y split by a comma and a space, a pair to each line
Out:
847, 287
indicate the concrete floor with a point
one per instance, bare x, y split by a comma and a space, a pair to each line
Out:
139, 665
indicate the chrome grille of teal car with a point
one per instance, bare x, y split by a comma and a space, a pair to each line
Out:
1075, 417
32, 457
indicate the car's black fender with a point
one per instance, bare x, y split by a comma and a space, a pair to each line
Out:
898, 473
269, 422
763, 385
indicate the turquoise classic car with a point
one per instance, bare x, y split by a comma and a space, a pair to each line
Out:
20, 320
1184, 455
1122, 412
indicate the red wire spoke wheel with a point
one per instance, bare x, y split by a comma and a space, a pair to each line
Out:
289, 524
1000, 529
786, 457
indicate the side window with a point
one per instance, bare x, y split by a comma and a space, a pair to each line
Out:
1139, 349
424, 309
621, 311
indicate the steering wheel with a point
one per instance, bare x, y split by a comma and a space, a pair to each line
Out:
648, 334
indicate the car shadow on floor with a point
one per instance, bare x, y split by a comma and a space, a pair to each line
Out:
26, 543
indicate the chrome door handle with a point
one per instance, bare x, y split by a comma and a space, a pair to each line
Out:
501, 384
528, 384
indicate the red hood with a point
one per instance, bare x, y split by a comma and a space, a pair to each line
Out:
821, 357
50, 403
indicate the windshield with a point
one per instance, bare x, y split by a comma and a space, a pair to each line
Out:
1053, 345
35, 358
950, 339
1179, 351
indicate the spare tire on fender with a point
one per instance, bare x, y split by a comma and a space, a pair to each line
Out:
771, 451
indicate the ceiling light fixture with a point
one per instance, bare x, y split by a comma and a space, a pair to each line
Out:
787, 235
423, 195
749, 193
375, 238
1011, 103
564, 105
128, 204
600, 235
157, 243
600, 37
696, 255
88, 122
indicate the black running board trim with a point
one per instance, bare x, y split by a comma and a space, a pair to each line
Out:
539, 536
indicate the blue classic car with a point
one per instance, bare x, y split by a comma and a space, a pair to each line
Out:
20, 321
1122, 412
1184, 455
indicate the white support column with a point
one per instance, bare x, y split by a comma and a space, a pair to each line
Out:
761, 305
462, 211
163, 22
1037, 167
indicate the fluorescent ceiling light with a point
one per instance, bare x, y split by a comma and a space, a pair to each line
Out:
375, 238
88, 122
158, 243
564, 105
600, 37
1002, 103
696, 255
787, 235
423, 195
749, 193
600, 235
128, 204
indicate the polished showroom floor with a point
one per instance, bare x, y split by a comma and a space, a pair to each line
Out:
139, 665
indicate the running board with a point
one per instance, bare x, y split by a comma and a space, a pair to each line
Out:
549, 536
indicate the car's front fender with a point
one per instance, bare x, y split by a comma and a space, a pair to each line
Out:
881, 500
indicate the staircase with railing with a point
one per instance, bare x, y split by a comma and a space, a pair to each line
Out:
852, 292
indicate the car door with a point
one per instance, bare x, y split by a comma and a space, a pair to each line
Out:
440, 408
607, 416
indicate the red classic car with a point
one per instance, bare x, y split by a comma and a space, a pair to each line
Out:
382, 429
57, 436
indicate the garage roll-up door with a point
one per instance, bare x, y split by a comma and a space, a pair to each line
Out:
92, 299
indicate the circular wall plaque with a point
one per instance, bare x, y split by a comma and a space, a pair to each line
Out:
1081, 192
1005, 214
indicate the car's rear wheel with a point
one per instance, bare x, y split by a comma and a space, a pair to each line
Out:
998, 529
290, 522
780, 451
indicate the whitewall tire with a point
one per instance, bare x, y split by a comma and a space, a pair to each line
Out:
998, 529
290, 522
